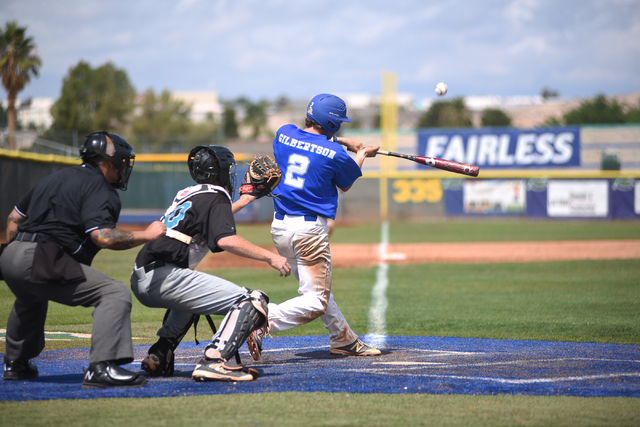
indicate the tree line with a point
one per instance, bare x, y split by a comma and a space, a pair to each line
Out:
104, 98
598, 110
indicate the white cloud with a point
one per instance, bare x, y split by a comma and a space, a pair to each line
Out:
520, 12
263, 48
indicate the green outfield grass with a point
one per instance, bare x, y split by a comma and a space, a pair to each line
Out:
326, 409
582, 301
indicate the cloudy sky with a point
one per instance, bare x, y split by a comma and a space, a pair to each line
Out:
297, 48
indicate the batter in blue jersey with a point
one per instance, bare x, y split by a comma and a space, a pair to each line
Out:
314, 166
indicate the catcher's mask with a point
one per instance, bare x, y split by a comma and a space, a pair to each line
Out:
209, 164
122, 155
328, 111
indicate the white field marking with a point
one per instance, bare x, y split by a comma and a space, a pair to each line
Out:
377, 311
464, 353
245, 352
520, 362
71, 334
394, 256
445, 352
510, 362
506, 380
537, 380
410, 363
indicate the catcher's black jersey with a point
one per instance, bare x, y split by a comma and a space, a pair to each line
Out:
208, 214
68, 205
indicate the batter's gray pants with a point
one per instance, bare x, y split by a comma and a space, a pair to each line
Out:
111, 329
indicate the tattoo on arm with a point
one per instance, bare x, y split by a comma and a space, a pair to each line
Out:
12, 225
113, 238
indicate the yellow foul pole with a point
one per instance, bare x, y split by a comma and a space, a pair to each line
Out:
389, 128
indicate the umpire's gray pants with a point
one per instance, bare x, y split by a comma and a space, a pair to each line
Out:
186, 292
111, 330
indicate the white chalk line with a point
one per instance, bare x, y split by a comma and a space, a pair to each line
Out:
506, 362
506, 380
246, 352
377, 335
405, 366
74, 336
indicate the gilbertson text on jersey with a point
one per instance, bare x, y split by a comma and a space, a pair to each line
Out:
306, 146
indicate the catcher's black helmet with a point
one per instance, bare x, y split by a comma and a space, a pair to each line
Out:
209, 164
123, 156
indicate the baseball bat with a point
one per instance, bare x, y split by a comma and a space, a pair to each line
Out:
447, 165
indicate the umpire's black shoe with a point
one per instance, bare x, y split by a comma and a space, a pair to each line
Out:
108, 374
19, 370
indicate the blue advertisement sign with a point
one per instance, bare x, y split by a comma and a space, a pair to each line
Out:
503, 148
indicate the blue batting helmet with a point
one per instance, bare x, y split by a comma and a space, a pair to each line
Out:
328, 111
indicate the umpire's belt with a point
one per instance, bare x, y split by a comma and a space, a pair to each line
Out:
153, 265
309, 218
29, 237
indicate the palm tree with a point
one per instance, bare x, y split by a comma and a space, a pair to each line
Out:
17, 62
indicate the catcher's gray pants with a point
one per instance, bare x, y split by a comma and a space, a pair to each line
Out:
305, 244
111, 329
186, 292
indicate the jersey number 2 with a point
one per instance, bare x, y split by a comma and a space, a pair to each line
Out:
298, 166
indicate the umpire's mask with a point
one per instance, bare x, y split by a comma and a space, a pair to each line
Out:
120, 154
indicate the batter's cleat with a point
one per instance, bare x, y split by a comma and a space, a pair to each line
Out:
108, 374
219, 370
19, 370
356, 348
159, 361
254, 342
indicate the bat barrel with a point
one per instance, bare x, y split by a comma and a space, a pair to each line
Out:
447, 165
451, 166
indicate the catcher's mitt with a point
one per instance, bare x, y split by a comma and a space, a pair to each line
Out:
262, 178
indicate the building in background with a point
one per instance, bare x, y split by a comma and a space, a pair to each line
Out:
33, 113
205, 105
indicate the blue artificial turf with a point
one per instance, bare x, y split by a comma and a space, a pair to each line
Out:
408, 365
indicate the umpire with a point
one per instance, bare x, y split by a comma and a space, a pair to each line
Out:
55, 232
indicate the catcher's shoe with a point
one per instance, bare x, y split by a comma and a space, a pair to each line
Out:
254, 342
159, 361
356, 348
220, 370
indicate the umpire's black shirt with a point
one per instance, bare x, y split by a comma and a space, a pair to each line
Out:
68, 205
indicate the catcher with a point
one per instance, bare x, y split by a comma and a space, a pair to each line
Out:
201, 220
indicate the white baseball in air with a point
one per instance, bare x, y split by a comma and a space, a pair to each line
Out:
441, 88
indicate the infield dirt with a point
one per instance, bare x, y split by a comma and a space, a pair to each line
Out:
357, 255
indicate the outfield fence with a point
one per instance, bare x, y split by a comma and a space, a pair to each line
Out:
586, 191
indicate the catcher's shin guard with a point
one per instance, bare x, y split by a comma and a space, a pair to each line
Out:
245, 317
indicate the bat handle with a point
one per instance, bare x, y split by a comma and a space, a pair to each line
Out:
393, 154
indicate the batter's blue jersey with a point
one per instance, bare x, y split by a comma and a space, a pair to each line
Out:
312, 168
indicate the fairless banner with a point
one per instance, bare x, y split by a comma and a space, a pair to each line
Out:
508, 148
